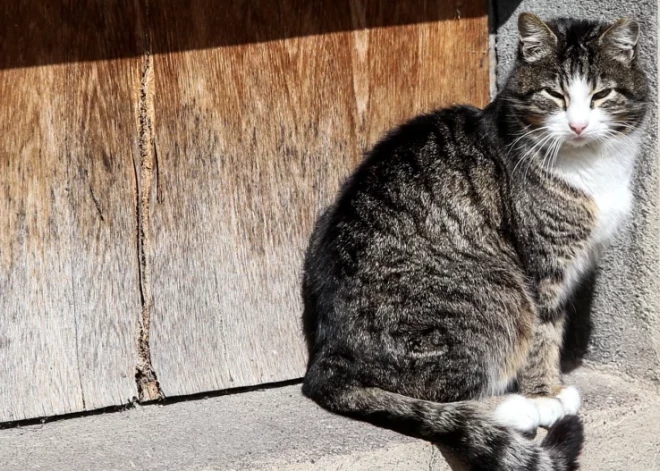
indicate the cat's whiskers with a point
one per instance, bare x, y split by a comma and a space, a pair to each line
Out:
618, 137
524, 135
625, 126
556, 147
528, 152
607, 139
606, 146
546, 154
550, 154
532, 152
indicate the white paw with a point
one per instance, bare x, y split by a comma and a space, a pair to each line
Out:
518, 413
570, 399
550, 410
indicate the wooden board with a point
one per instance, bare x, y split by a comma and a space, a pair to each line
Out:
69, 291
253, 138
162, 165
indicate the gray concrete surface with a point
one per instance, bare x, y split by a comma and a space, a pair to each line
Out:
625, 312
280, 430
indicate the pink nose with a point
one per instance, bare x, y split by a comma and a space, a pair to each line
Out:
578, 128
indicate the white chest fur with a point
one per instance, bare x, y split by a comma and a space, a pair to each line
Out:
605, 174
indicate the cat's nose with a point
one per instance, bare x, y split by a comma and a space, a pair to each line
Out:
578, 127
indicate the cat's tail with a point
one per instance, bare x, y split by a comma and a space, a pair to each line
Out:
465, 428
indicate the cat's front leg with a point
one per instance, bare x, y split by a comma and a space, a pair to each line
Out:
541, 375
541, 378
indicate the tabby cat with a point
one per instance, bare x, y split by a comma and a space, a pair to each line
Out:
440, 274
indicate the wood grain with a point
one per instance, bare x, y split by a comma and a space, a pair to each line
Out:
156, 207
252, 139
69, 292
37, 26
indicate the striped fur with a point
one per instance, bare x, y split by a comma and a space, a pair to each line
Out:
439, 275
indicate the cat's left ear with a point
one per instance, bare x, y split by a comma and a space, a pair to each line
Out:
620, 40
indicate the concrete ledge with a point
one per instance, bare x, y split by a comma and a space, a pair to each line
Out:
278, 429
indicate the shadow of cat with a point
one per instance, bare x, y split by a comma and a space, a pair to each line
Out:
579, 326
454, 462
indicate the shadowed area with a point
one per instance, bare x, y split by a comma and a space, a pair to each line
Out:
579, 325
35, 33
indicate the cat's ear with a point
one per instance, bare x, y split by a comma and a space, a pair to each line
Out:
619, 41
536, 38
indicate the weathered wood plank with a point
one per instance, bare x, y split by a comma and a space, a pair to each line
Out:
254, 138
69, 291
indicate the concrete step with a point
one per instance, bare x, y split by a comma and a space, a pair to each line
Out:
278, 429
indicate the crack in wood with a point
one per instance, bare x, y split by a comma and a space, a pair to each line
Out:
97, 203
145, 376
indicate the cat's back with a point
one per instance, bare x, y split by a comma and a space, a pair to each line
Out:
432, 184
443, 165
423, 147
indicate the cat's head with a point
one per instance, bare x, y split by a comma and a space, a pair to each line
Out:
577, 82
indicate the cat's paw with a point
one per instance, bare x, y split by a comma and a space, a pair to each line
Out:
570, 399
550, 410
518, 413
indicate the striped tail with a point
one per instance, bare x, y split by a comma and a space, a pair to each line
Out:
465, 428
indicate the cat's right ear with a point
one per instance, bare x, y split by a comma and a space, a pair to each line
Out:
536, 38
620, 40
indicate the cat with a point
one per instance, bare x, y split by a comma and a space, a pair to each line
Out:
440, 274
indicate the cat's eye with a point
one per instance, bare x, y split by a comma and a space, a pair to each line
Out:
554, 93
604, 93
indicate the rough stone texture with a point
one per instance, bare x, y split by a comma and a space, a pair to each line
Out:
625, 312
278, 429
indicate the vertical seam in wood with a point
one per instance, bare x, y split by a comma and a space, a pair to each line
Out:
145, 376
